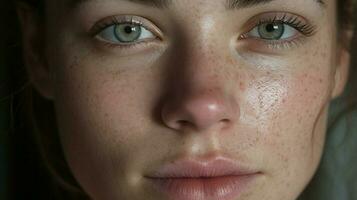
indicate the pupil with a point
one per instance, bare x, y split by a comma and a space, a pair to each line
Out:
271, 28
128, 29
127, 33
271, 31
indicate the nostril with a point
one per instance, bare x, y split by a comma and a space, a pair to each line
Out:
182, 123
199, 111
225, 121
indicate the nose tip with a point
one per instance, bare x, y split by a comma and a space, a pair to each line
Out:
200, 112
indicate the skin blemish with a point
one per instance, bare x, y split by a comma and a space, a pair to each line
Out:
241, 86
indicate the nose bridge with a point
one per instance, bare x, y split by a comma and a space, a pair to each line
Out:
203, 69
202, 44
197, 93
200, 67
202, 60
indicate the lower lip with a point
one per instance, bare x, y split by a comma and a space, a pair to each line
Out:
222, 188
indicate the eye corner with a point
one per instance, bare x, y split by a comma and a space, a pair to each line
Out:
244, 36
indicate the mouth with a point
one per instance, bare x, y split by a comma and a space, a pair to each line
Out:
189, 179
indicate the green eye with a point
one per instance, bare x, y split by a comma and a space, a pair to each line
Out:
271, 31
127, 32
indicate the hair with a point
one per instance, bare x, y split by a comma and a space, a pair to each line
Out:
34, 123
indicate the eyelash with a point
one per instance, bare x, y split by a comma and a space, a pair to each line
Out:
294, 21
110, 22
114, 20
303, 27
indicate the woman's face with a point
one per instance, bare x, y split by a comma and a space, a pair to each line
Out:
151, 95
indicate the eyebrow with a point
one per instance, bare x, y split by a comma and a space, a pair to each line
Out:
239, 4
230, 4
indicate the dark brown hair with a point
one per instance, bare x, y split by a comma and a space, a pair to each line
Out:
36, 153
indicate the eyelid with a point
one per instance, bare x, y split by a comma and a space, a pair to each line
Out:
275, 16
304, 30
120, 19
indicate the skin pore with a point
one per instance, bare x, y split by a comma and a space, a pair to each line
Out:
202, 81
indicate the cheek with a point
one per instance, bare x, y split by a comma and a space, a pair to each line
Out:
305, 113
100, 115
101, 102
291, 112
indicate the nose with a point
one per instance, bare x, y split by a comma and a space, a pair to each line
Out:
199, 92
199, 110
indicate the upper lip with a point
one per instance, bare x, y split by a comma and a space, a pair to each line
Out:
199, 168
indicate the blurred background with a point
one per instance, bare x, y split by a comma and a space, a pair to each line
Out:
22, 176
4, 107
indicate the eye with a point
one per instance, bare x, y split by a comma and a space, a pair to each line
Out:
273, 31
125, 32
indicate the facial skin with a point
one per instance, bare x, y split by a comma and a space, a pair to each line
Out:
119, 108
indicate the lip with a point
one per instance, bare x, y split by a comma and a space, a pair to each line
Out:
204, 179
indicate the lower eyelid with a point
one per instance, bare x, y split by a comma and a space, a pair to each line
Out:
139, 48
272, 46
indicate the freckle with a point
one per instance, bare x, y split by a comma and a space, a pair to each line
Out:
117, 73
242, 86
305, 89
299, 120
320, 80
230, 60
